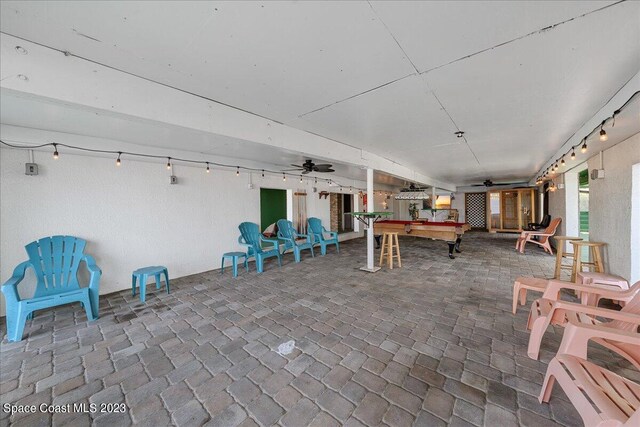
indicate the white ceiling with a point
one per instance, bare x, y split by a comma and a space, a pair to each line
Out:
394, 78
38, 113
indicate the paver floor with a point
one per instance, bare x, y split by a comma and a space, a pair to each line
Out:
429, 344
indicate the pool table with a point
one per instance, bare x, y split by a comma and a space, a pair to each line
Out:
451, 232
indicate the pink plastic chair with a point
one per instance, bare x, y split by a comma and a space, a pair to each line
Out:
522, 284
546, 311
603, 280
602, 398
543, 237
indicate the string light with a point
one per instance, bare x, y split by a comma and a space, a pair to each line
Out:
603, 133
284, 177
169, 163
300, 179
208, 168
350, 190
562, 162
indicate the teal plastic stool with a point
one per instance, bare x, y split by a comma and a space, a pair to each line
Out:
143, 274
235, 257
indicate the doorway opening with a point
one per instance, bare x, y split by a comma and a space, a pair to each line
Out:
342, 206
583, 200
273, 206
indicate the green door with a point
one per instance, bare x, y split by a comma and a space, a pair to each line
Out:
273, 206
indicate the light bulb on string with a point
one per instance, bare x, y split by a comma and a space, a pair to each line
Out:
55, 151
315, 180
583, 149
562, 162
603, 133
118, 162
208, 168
284, 177
300, 179
168, 162
263, 173
573, 154
237, 170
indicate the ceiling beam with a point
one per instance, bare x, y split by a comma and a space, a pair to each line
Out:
66, 78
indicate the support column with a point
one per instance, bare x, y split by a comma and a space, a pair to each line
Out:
370, 208
433, 203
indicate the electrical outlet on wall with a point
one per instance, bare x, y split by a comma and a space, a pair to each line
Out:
173, 179
31, 169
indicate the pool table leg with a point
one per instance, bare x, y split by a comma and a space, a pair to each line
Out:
458, 240
452, 246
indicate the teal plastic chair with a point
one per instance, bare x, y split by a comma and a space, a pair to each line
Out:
293, 240
252, 238
317, 231
55, 262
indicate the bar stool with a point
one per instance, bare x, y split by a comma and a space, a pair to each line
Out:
560, 254
389, 243
595, 256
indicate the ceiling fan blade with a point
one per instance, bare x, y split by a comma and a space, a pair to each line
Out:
304, 172
323, 170
297, 166
297, 169
323, 165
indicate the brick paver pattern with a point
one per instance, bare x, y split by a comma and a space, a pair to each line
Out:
432, 343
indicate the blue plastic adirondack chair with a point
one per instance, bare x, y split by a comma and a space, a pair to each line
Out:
317, 231
292, 239
55, 261
252, 238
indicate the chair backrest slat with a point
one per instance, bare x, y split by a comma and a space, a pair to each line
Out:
285, 229
46, 258
250, 233
57, 247
551, 229
56, 261
315, 225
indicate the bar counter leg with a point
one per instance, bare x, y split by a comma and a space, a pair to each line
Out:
458, 241
452, 246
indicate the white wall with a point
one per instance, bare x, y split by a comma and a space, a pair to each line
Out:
564, 203
130, 215
610, 204
635, 224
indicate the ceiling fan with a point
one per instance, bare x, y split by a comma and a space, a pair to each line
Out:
308, 167
488, 183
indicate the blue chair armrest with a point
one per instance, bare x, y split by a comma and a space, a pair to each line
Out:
275, 243
91, 264
94, 284
10, 287
305, 236
243, 243
333, 234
